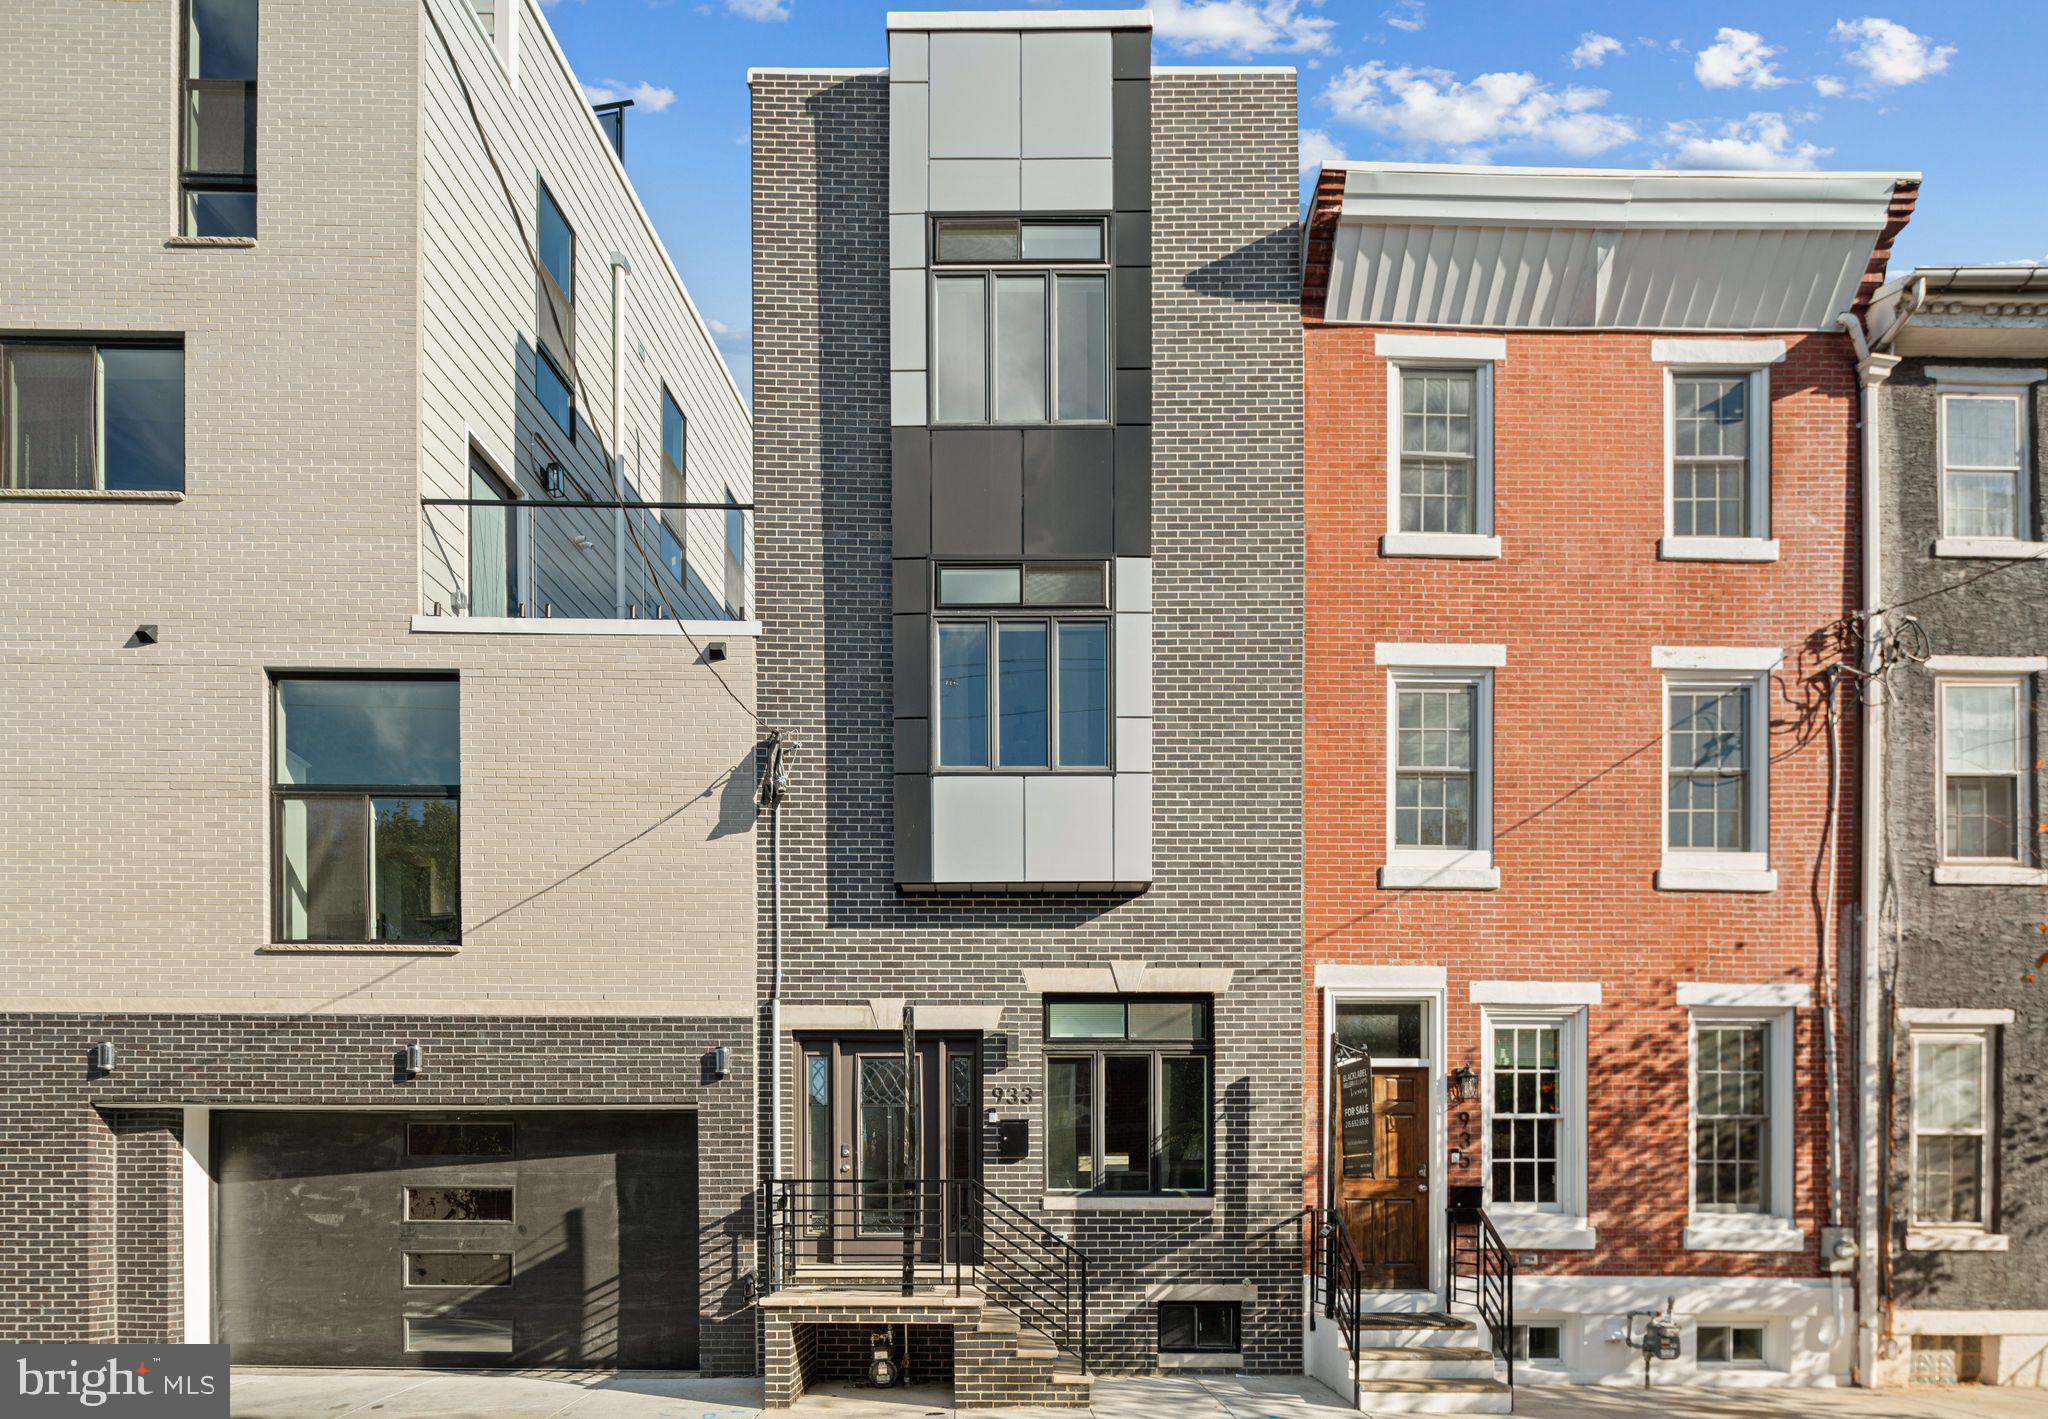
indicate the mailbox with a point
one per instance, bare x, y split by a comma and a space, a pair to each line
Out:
1013, 1139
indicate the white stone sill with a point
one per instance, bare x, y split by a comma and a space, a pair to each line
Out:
2002, 549
1215, 1360
1759, 1235
1955, 1239
202, 243
1673, 878
1718, 549
1094, 1202
345, 948
1406, 876
1988, 874
1544, 1231
1467, 546
577, 626
92, 495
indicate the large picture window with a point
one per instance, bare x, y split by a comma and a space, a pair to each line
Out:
1128, 1094
366, 782
105, 416
1019, 322
1016, 690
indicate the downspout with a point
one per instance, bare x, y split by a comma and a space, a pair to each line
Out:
1871, 370
774, 787
621, 268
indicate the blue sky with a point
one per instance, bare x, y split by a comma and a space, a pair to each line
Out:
1950, 90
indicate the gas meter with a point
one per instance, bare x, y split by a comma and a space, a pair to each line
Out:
1659, 1340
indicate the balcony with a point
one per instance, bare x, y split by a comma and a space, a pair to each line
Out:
523, 563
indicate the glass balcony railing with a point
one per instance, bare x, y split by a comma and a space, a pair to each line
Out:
573, 559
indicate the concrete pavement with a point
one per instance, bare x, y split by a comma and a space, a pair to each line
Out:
414, 1394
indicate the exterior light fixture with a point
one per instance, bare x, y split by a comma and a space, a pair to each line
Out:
412, 1059
100, 1059
719, 1063
1464, 1083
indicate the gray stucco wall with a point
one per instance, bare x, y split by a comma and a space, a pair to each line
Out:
1227, 548
1962, 946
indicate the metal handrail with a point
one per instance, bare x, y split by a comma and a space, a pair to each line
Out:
1336, 1280
1489, 1272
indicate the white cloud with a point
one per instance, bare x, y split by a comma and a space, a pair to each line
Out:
1828, 86
1890, 54
1234, 26
1760, 141
726, 337
759, 9
1319, 149
651, 97
1737, 59
1406, 15
1593, 50
1432, 108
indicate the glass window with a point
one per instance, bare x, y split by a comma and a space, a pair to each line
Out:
1084, 695
450, 1334
221, 39
1020, 349
988, 241
1983, 768
1198, 1327
80, 416
1038, 584
1539, 1342
672, 433
977, 242
1133, 1114
493, 544
49, 417
1021, 692
980, 586
219, 126
142, 398
1731, 1117
552, 389
1070, 585
367, 775
959, 350
1527, 1112
219, 212
1083, 355
557, 241
1710, 451
963, 694
1384, 1029
1951, 1108
1980, 465
1063, 241
458, 1204
1049, 358
1433, 796
1731, 1344
1439, 485
1708, 764
466, 1269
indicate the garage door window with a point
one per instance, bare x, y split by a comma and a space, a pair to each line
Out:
458, 1204
457, 1335
367, 782
467, 1269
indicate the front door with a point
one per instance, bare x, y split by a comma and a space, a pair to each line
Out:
1388, 1212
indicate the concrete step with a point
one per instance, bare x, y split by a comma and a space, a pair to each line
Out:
1434, 1396
1401, 1330
1425, 1362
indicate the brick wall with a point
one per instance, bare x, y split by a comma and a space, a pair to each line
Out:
1578, 598
1226, 667
149, 1236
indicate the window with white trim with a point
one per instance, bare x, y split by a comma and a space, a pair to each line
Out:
1953, 1138
1983, 454
1731, 1346
1540, 1342
1984, 736
1716, 790
1439, 809
1440, 447
1741, 1139
1717, 459
1535, 1092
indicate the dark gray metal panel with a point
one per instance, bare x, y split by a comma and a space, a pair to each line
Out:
1130, 54
912, 591
1133, 317
1133, 492
1131, 121
913, 828
1130, 238
1069, 492
913, 664
913, 746
910, 497
977, 493
1134, 396
309, 1265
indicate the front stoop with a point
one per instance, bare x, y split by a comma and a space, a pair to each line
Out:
1427, 1363
999, 1365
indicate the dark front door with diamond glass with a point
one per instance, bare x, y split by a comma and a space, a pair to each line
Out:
489, 1240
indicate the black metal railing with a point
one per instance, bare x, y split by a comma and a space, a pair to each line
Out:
927, 1234
1335, 1279
1480, 1271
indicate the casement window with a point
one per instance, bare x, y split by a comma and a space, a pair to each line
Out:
1741, 1127
556, 396
1717, 449
1440, 444
1198, 1327
1021, 656
218, 143
107, 416
1534, 1094
1439, 766
496, 536
557, 242
1019, 321
366, 788
1954, 1144
1984, 449
1128, 1104
1986, 755
1716, 769
1731, 1346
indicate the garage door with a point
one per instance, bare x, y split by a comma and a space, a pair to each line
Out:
492, 1240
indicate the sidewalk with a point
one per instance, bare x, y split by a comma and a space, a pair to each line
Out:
401, 1394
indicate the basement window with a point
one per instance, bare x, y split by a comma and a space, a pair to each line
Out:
1198, 1327
1732, 1346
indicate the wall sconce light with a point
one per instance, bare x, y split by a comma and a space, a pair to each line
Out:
1464, 1083
719, 1063
412, 1059
100, 1058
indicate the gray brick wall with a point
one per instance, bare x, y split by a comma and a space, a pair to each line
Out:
1226, 666
1962, 946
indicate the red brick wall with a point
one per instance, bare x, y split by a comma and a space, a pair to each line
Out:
1578, 599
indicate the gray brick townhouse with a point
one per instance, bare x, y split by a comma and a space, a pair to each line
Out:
1958, 373
378, 947
1028, 454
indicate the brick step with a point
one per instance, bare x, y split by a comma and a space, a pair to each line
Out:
1003, 1364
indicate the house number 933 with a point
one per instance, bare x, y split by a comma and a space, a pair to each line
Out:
1015, 1094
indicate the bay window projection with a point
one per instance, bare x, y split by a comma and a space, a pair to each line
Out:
1016, 690
1128, 1094
1019, 322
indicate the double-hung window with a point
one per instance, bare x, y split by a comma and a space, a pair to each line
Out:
1022, 660
92, 416
1534, 1095
1716, 769
1952, 1143
1741, 1143
365, 809
1019, 321
1717, 449
1440, 772
218, 142
1986, 754
1128, 1094
1984, 450
1440, 444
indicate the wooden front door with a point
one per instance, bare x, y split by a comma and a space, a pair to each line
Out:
1388, 1213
